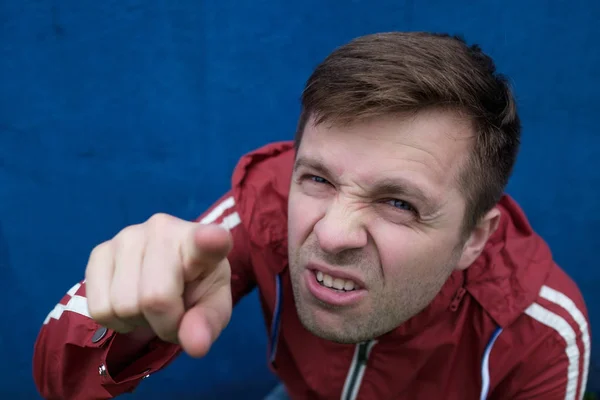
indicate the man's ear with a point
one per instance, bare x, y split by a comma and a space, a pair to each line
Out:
478, 238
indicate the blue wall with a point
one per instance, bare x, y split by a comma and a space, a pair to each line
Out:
113, 110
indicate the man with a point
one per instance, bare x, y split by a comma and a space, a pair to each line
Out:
389, 261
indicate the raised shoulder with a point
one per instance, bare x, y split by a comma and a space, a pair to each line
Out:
260, 185
546, 352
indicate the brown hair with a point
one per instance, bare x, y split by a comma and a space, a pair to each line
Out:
389, 73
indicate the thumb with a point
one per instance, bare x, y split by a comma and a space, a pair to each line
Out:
203, 248
203, 323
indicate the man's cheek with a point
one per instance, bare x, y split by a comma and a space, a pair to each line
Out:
300, 221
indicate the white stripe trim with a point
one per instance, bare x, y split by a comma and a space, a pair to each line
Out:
218, 211
76, 304
562, 327
569, 306
231, 221
74, 289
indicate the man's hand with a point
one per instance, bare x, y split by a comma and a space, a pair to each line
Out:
167, 275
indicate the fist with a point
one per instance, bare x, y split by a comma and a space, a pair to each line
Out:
166, 275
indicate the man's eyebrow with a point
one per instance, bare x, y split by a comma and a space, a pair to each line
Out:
312, 163
399, 187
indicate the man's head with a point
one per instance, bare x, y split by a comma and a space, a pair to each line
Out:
404, 146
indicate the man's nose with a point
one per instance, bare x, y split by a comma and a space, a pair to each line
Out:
340, 229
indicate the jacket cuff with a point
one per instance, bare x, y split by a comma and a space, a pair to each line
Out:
155, 356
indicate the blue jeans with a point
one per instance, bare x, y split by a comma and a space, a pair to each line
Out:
278, 393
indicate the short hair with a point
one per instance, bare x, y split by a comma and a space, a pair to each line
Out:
391, 73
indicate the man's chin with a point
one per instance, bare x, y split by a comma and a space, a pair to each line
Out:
327, 333
330, 324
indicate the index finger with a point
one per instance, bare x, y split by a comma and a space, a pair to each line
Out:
203, 248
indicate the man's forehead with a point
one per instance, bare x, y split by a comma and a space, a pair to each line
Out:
367, 174
424, 157
439, 138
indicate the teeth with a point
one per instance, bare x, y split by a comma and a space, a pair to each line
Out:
338, 283
348, 285
335, 283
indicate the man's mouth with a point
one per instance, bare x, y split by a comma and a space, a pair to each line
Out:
342, 290
339, 284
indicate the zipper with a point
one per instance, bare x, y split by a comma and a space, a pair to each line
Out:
357, 370
460, 293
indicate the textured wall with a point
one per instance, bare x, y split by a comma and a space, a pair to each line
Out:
113, 110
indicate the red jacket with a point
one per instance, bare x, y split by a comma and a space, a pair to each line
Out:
512, 326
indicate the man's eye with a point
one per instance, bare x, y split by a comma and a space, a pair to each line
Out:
400, 204
317, 179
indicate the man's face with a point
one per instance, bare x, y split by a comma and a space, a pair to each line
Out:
375, 219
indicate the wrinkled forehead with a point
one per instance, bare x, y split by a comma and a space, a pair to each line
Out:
431, 145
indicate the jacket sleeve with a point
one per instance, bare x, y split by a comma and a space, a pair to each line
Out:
75, 358
553, 373
554, 350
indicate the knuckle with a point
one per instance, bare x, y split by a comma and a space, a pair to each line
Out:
156, 300
125, 307
99, 251
99, 256
129, 236
159, 221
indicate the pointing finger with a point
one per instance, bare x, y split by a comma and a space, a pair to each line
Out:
202, 250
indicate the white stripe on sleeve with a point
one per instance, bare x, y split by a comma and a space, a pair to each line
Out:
218, 211
562, 327
560, 299
76, 304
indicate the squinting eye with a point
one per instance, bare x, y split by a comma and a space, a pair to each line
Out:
400, 204
318, 179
